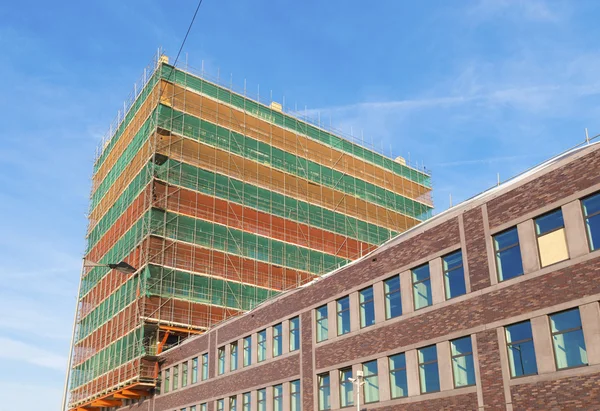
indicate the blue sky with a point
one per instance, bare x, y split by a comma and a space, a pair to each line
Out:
468, 88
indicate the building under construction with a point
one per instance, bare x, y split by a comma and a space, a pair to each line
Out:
218, 202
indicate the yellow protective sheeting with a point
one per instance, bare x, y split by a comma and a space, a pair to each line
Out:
553, 247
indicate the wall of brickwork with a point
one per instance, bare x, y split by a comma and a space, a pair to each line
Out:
482, 313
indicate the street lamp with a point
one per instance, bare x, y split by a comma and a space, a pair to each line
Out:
121, 267
359, 381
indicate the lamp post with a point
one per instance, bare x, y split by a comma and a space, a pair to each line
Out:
121, 267
359, 381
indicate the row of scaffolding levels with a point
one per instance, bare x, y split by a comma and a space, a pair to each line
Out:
220, 203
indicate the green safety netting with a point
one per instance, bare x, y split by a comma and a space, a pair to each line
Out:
136, 186
115, 302
145, 92
223, 138
292, 123
227, 188
170, 283
123, 161
121, 351
243, 244
214, 236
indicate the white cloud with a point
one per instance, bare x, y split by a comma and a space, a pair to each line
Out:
24, 396
535, 10
22, 352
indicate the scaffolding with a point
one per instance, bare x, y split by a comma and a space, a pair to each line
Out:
220, 201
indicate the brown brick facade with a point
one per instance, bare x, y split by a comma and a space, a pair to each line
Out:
481, 313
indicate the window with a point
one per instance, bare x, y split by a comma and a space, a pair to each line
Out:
521, 353
294, 334
371, 385
552, 241
247, 351
194, 370
221, 357
508, 254
421, 286
184, 374
175, 377
233, 403
428, 369
463, 368
167, 381
277, 340
193, 408
262, 345
324, 391
343, 315
233, 356
221, 405
295, 398
203, 407
591, 213
322, 326
393, 298
346, 388
367, 307
567, 338
278, 397
204, 366
398, 378
454, 275
247, 401
261, 399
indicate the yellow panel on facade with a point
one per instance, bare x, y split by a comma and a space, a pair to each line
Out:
553, 247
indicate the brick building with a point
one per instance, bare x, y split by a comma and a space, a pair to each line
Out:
491, 305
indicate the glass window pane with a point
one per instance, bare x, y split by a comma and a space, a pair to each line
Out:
592, 225
521, 352
565, 320
462, 362
184, 374
367, 307
454, 282
195, 370
294, 334
277, 340
549, 222
262, 345
278, 397
422, 293
428, 369
506, 238
393, 298
398, 377
295, 397
420, 273
568, 340
221, 353
569, 349
509, 263
346, 388
371, 379
322, 326
453, 261
204, 367
343, 315
591, 205
247, 351
233, 360
261, 399
324, 393
246, 401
